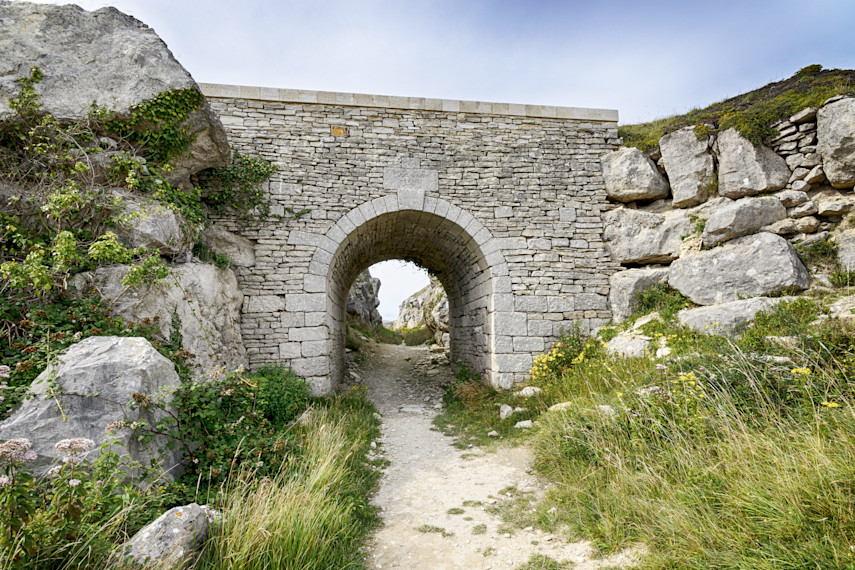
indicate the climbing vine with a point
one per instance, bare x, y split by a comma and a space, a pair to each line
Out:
237, 187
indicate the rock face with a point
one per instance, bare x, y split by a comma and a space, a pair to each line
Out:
746, 170
112, 367
689, 165
727, 318
206, 300
835, 130
742, 217
629, 175
750, 266
239, 250
428, 307
104, 57
627, 285
153, 225
634, 236
171, 541
362, 301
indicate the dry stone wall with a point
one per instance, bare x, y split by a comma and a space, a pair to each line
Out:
726, 228
503, 203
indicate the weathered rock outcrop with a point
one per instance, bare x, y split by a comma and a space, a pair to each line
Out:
746, 170
170, 541
750, 266
205, 299
835, 130
104, 57
629, 175
362, 300
689, 165
91, 382
428, 307
635, 236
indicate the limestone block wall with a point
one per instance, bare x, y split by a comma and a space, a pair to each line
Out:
503, 202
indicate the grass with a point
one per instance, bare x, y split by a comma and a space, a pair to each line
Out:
416, 336
427, 529
543, 562
716, 458
752, 113
479, 529
471, 411
315, 513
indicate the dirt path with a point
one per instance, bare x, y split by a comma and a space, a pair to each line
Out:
435, 499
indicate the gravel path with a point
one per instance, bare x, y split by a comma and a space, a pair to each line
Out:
427, 477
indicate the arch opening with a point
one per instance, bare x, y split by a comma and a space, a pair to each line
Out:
436, 243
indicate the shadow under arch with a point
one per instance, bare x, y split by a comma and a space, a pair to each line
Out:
441, 237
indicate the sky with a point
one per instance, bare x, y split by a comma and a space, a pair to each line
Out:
647, 59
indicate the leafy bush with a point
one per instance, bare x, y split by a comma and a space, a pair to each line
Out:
224, 423
417, 336
663, 298
236, 187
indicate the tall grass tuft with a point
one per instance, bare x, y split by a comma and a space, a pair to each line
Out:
725, 456
314, 513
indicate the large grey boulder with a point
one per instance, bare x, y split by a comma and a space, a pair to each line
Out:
170, 541
727, 318
689, 165
835, 132
743, 216
363, 300
746, 170
206, 300
750, 266
629, 175
104, 57
239, 250
91, 382
635, 236
625, 286
148, 223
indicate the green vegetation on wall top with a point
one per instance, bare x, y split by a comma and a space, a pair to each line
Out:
753, 113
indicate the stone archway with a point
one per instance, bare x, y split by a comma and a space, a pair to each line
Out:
440, 237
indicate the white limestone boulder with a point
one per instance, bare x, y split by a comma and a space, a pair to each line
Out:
363, 300
95, 378
635, 236
148, 223
625, 286
741, 217
746, 170
629, 175
751, 266
835, 131
629, 344
689, 165
105, 57
727, 318
206, 300
239, 250
170, 541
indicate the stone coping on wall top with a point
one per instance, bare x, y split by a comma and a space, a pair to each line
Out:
411, 103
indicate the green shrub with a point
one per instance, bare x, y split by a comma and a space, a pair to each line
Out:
205, 254
282, 395
417, 336
663, 298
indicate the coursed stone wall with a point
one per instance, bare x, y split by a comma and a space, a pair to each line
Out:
502, 202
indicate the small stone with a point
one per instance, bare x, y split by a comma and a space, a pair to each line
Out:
493, 433
528, 392
523, 424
